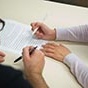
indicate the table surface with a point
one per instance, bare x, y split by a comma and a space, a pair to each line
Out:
53, 14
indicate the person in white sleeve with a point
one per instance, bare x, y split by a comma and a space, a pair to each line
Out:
60, 52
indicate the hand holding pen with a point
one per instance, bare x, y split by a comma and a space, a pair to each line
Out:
30, 52
42, 31
33, 65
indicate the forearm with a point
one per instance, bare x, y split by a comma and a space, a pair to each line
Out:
78, 33
79, 70
37, 81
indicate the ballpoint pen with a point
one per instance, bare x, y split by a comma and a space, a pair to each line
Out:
30, 52
34, 31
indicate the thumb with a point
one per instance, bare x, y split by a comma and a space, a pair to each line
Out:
26, 56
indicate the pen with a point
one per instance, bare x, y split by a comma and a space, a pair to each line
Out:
30, 52
34, 31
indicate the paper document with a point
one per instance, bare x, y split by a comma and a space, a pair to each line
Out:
16, 35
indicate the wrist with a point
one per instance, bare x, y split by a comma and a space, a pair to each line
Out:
66, 56
33, 75
37, 81
30, 75
53, 34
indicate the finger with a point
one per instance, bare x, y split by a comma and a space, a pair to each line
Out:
39, 36
35, 25
42, 50
25, 51
2, 59
48, 50
2, 54
49, 54
52, 44
26, 55
48, 46
62, 46
37, 33
32, 25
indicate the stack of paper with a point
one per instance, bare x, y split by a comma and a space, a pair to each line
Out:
16, 36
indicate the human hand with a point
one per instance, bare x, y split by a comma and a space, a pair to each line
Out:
33, 64
2, 55
58, 52
43, 32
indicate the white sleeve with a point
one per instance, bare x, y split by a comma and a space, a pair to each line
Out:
78, 69
78, 33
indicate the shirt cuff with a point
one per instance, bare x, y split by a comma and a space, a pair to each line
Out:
71, 59
61, 34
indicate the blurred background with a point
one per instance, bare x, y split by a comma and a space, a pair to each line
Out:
83, 3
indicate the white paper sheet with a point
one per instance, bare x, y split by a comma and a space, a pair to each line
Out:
16, 35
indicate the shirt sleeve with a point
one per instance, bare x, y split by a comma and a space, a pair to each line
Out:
77, 33
12, 78
78, 69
